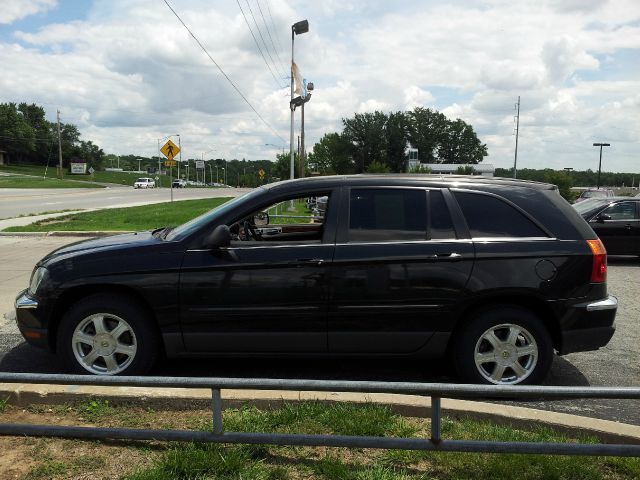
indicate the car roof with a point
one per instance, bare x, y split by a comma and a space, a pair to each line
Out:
399, 179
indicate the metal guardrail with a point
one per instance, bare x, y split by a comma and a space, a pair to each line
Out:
435, 390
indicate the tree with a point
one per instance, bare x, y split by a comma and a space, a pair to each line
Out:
465, 170
426, 131
396, 139
18, 137
366, 132
332, 155
562, 181
378, 167
460, 144
281, 169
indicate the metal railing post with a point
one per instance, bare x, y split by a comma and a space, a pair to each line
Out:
216, 404
435, 420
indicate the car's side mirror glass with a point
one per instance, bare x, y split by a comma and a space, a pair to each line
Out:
219, 238
261, 219
602, 217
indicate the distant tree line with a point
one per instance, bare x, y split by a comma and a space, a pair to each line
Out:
27, 137
582, 178
376, 142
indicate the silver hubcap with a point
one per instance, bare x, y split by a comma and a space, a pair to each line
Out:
104, 344
506, 354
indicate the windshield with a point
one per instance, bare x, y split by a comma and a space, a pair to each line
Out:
142, 180
588, 207
593, 194
195, 224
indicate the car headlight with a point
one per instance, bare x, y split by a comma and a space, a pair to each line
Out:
36, 279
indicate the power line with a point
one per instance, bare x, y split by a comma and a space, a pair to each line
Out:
273, 45
273, 24
262, 38
223, 73
258, 45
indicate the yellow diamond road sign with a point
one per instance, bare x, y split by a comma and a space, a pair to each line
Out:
170, 150
261, 173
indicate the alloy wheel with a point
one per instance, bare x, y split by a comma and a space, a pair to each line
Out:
104, 344
506, 354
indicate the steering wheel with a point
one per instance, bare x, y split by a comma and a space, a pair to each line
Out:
250, 231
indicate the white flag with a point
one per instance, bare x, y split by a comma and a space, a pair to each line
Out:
299, 86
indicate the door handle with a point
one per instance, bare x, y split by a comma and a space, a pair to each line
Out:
314, 261
452, 257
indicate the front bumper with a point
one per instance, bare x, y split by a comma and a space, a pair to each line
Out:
593, 324
29, 322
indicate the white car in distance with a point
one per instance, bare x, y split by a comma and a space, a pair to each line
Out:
145, 183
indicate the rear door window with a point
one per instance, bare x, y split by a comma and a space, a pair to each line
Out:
489, 216
387, 214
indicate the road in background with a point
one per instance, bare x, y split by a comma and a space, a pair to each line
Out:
28, 201
615, 365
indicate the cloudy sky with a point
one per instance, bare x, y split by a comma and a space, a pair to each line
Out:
126, 72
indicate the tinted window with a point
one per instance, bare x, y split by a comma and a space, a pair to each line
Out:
491, 217
440, 224
387, 214
622, 211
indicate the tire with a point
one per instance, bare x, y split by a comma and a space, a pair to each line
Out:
505, 345
132, 351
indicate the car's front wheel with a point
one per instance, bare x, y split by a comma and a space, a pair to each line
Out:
503, 346
107, 334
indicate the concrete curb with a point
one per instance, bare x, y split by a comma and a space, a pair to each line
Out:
410, 405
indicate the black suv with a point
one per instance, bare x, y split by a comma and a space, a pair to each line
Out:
495, 273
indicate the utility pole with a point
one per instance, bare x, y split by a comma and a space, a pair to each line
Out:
600, 164
302, 162
515, 160
59, 148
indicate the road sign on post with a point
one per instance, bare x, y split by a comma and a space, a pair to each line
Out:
261, 173
170, 150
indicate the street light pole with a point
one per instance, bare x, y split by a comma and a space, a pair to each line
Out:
296, 29
600, 163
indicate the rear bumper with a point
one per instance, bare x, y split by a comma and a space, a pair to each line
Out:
593, 326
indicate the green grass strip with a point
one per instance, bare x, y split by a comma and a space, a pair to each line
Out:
140, 218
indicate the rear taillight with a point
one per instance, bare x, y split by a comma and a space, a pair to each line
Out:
599, 268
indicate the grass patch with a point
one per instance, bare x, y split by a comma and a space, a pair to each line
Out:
58, 459
3, 404
35, 182
144, 217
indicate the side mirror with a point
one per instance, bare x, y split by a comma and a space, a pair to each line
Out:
602, 217
219, 238
261, 219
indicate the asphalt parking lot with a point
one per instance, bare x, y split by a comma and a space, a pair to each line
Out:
618, 364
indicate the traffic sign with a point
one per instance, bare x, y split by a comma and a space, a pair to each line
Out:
170, 163
261, 173
199, 163
170, 150
91, 170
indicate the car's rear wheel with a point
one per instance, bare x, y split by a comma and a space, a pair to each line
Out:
106, 334
503, 346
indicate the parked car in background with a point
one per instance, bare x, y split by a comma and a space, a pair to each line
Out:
145, 183
179, 183
594, 193
490, 275
616, 221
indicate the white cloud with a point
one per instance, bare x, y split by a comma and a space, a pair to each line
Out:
415, 96
13, 10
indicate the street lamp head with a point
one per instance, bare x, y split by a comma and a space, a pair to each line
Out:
601, 144
310, 86
300, 27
